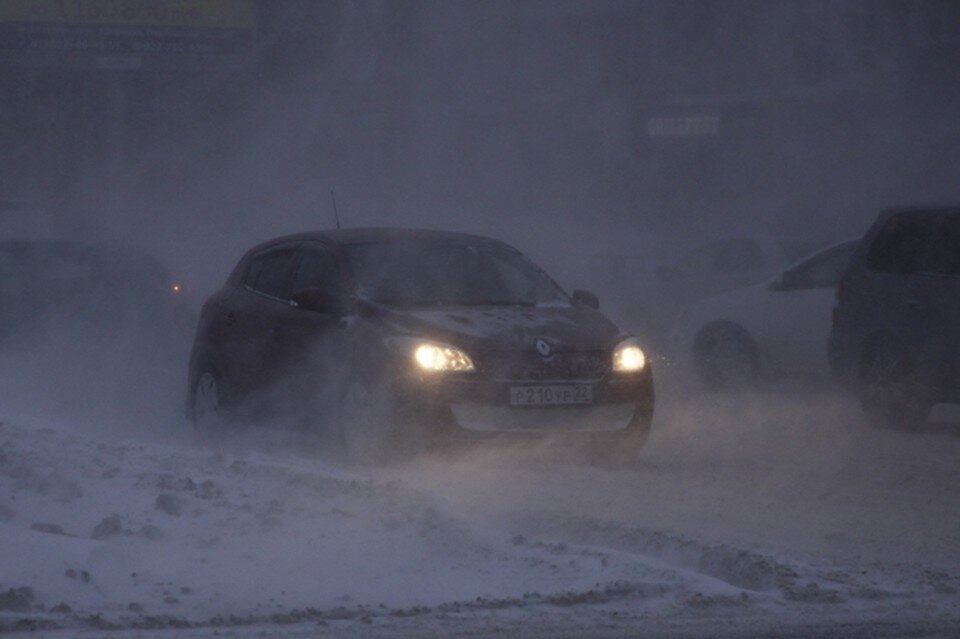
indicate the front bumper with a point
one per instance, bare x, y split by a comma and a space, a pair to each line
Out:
481, 406
497, 418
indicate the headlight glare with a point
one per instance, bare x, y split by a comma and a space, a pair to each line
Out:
441, 358
629, 358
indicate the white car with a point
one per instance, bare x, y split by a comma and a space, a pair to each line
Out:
779, 326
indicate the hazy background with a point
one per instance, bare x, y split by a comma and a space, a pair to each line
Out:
569, 129
563, 127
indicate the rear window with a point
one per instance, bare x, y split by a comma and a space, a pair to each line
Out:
901, 245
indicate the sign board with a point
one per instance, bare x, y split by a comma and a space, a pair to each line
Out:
124, 33
683, 126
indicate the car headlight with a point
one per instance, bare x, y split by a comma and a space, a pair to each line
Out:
440, 358
628, 357
432, 357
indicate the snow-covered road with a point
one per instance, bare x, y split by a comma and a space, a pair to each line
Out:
751, 515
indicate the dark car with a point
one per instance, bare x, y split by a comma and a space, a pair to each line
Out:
396, 336
896, 328
72, 284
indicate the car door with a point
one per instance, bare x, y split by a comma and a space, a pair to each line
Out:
894, 298
249, 315
938, 296
796, 320
305, 343
11, 297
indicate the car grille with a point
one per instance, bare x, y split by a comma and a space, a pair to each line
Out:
533, 367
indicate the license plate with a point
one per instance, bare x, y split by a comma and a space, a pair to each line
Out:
551, 395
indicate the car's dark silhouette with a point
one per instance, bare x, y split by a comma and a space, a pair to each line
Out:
397, 336
67, 284
896, 331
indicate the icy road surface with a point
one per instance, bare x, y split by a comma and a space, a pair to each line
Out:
759, 515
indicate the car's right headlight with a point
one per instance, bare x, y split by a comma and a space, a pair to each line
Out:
628, 357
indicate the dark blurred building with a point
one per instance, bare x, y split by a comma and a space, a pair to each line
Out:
653, 113
819, 109
97, 94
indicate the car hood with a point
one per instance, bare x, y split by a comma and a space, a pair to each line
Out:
565, 329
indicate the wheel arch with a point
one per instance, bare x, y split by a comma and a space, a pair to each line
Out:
708, 336
871, 345
709, 331
199, 361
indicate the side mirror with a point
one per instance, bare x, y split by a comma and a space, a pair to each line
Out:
787, 281
320, 300
586, 298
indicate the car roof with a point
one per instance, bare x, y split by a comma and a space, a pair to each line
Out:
345, 237
927, 209
78, 250
71, 248
342, 237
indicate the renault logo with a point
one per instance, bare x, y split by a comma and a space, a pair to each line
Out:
543, 347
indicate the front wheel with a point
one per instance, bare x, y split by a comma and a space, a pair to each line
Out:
726, 357
205, 406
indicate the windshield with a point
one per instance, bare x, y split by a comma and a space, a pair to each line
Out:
449, 273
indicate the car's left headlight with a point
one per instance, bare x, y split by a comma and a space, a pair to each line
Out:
441, 358
433, 357
628, 357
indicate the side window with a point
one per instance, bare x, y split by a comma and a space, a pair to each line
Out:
253, 272
822, 271
317, 268
944, 258
900, 245
270, 273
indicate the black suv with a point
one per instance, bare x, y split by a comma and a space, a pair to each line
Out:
395, 336
896, 329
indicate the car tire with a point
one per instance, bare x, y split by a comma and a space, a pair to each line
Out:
726, 357
371, 427
205, 405
890, 391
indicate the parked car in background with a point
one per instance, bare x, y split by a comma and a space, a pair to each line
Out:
896, 328
780, 326
68, 285
717, 266
393, 338
732, 262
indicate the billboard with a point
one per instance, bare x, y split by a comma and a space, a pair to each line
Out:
124, 33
